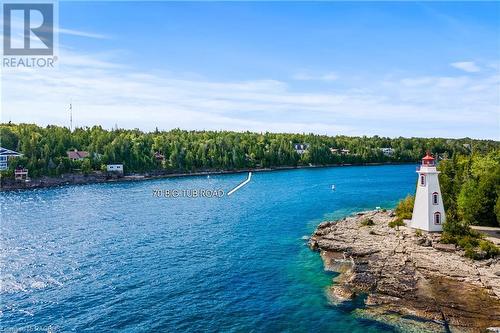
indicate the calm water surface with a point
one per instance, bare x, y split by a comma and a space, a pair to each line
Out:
111, 257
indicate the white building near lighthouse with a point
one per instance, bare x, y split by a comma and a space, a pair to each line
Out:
428, 210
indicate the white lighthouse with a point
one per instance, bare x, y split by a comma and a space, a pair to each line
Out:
428, 211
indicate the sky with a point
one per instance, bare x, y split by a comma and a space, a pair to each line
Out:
428, 69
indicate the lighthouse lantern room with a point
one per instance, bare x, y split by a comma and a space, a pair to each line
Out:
428, 210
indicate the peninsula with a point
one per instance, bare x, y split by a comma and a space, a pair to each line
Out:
409, 277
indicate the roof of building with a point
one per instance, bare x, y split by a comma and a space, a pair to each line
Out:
8, 152
159, 155
428, 157
77, 154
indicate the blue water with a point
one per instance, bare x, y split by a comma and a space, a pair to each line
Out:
111, 257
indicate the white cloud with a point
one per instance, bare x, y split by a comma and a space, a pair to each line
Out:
105, 92
416, 82
17, 24
305, 76
80, 33
467, 66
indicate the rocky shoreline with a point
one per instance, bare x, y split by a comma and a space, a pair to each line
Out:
408, 280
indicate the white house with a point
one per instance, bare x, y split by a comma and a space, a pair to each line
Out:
118, 168
387, 151
428, 210
342, 151
5, 155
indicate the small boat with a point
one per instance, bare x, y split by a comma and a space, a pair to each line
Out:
333, 187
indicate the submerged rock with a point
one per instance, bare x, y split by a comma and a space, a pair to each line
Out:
338, 293
417, 278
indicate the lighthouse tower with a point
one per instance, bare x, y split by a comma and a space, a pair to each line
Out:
428, 211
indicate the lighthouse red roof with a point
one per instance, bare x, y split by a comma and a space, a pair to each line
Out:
428, 158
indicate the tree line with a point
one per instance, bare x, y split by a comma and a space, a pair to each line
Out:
470, 187
45, 149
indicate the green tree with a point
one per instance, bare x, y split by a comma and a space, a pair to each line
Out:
404, 209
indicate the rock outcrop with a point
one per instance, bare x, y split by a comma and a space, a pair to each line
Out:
412, 275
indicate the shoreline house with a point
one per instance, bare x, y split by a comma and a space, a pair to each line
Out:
159, 156
334, 150
341, 151
387, 151
428, 210
77, 155
5, 156
115, 168
301, 148
21, 174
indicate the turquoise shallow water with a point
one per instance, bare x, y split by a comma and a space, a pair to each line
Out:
112, 257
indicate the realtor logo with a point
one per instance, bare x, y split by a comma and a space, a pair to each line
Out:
33, 32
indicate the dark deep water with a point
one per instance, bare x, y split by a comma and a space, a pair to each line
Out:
111, 257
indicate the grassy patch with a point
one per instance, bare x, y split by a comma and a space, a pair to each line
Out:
472, 243
367, 222
398, 222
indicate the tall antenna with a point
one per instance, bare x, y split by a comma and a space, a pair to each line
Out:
71, 117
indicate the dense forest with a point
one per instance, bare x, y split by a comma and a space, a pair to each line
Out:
471, 195
471, 188
45, 149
